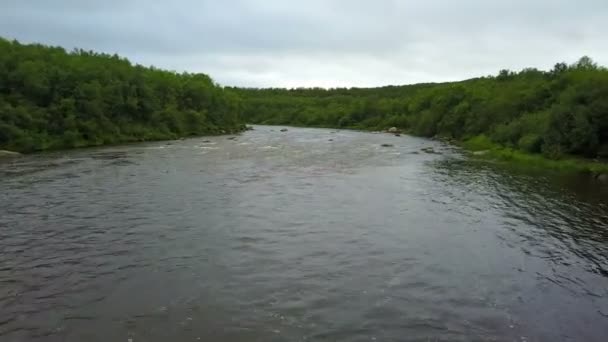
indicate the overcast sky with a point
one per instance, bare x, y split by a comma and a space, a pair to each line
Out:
321, 42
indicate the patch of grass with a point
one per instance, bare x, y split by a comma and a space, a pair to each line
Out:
479, 143
493, 151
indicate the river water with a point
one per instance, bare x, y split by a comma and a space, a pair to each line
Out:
288, 236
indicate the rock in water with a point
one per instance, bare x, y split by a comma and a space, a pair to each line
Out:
387, 145
284, 130
393, 130
4, 153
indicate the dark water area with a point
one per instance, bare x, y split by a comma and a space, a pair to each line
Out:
288, 236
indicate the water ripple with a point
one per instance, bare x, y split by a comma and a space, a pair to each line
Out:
282, 237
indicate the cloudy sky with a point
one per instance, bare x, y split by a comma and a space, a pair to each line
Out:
321, 42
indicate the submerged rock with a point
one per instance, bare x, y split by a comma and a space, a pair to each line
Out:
428, 150
232, 138
4, 153
284, 130
397, 134
387, 145
602, 178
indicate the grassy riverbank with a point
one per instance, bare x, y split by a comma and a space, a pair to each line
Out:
483, 147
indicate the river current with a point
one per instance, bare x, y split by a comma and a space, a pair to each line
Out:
305, 235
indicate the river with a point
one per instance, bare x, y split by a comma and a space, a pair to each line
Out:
305, 235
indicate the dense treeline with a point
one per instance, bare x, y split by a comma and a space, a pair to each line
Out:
50, 98
557, 112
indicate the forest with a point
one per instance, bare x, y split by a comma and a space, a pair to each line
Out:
52, 99
558, 113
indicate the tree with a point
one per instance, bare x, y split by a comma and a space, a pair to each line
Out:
585, 63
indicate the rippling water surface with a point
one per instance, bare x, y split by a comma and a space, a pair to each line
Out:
292, 237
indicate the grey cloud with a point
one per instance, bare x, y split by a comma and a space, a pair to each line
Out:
326, 43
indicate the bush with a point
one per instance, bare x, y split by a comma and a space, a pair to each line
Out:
530, 143
553, 151
479, 143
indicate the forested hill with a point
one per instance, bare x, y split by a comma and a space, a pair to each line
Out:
50, 98
558, 112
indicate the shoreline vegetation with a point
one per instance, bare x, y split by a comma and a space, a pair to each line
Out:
482, 147
54, 99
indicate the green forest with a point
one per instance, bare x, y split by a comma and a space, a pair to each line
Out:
559, 112
52, 99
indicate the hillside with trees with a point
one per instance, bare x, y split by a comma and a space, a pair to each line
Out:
51, 99
559, 112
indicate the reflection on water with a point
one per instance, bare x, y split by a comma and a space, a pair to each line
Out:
290, 236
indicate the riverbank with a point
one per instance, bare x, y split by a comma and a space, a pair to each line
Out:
15, 150
481, 147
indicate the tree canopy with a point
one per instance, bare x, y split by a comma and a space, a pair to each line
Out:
50, 98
